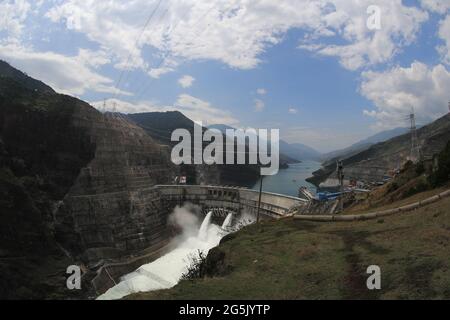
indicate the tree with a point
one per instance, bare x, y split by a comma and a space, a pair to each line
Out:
442, 175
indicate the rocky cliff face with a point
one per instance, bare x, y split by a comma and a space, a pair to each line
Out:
41, 155
75, 187
107, 213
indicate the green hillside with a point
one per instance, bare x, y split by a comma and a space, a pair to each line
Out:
291, 259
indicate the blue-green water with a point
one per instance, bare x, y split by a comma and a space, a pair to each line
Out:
288, 181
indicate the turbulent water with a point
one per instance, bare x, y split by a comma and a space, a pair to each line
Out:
288, 181
167, 271
227, 222
204, 228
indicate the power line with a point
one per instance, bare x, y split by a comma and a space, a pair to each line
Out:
140, 91
167, 54
117, 86
161, 18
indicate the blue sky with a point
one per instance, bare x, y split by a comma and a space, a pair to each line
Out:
311, 68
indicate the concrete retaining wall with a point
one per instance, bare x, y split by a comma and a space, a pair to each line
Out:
109, 274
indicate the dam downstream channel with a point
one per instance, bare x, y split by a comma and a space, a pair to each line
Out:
168, 270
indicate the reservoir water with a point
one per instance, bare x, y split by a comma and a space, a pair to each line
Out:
288, 181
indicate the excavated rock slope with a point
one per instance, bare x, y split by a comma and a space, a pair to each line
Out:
74, 185
110, 211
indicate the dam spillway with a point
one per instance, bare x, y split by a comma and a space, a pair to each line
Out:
166, 271
109, 225
129, 229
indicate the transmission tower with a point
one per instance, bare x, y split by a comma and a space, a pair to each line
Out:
415, 148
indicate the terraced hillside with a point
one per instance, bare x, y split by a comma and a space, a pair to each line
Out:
373, 164
70, 179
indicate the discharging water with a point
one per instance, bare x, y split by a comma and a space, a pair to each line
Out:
168, 270
227, 222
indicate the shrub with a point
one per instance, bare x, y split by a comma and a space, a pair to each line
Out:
442, 175
392, 187
196, 267
210, 265
420, 187
420, 168
408, 165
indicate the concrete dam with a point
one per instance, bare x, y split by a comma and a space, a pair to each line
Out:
117, 207
142, 222
120, 243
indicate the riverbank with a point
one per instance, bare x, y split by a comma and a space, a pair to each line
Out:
288, 181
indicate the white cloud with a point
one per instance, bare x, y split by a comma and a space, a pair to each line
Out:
199, 110
115, 25
186, 81
293, 111
261, 91
94, 59
259, 105
66, 74
396, 91
237, 32
158, 72
363, 47
194, 108
444, 34
12, 17
439, 6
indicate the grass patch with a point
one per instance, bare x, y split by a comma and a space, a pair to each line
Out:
291, 259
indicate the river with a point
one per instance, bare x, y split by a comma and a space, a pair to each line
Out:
288, 181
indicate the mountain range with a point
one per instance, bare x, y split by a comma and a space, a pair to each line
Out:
364, 144
160, 125
375, 162
302, 152
290, 152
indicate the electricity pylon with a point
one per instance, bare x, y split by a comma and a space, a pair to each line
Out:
415, 147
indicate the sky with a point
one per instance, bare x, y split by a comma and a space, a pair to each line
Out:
315, 69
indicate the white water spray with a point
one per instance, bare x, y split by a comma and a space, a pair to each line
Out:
203, 233
228, 220
166, 272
